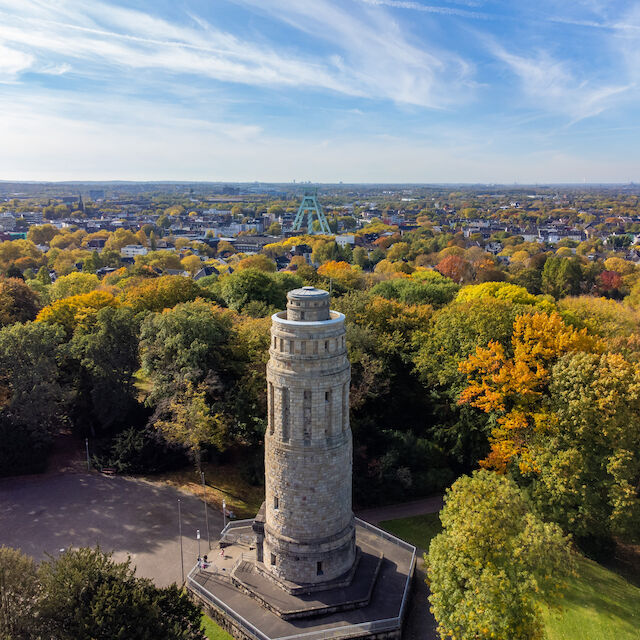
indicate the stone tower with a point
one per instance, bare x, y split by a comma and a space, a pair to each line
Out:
309, 536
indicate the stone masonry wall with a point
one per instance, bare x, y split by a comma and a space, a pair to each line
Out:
309, 533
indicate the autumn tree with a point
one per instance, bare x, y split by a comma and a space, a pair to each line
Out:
258, 261
191, 263
73, 284
18, 301
505, 291
77, 310
455, 332
191, 422
495, 562
455, 268
165, 292
350, 277
515, 387
120, 238
42, 234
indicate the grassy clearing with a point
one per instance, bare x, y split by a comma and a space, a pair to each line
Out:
213, 631
417, 530
222, 481
599, 604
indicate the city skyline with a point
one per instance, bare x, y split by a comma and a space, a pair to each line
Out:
359, 91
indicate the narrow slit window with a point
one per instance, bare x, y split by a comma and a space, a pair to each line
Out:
276, 503
271, 401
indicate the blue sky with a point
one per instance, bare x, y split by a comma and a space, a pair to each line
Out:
322, 90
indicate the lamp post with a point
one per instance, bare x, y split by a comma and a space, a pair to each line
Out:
206, 513
198, 537
180, 534
86, 445
224, 513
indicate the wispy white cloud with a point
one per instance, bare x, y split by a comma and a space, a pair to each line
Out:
377, 53
550, 85
427, 8
375, 61
13, 62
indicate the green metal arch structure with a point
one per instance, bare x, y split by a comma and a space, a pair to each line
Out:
311, 207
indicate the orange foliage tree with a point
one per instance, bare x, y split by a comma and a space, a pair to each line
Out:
456, 268
515, 387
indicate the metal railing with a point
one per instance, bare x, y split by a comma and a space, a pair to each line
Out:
385, 534
401, 543
245, 624
348, 630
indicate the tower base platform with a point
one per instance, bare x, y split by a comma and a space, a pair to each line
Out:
250, 606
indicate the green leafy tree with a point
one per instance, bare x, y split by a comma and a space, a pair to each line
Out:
106, 353
30, 389
436, 290
32, 397
587, 468
561, 276
43, 276
19, 594
189, 343
86, 595
251, 285
495, 562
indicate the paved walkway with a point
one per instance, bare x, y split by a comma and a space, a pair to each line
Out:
432, 504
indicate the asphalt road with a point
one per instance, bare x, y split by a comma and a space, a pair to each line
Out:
47, 513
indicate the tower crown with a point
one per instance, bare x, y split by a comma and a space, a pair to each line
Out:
308, 304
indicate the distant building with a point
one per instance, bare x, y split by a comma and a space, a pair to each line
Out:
133, 250
7, 222
96, 243
33, 217
345, 240
251, 244
207, 270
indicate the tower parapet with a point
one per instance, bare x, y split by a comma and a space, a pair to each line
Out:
309, 528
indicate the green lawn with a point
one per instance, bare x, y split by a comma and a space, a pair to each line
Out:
213, 631
598, 605
417, 530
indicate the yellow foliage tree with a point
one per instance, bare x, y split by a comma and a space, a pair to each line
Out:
76, 310
191, 263
342, 272
515, 388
